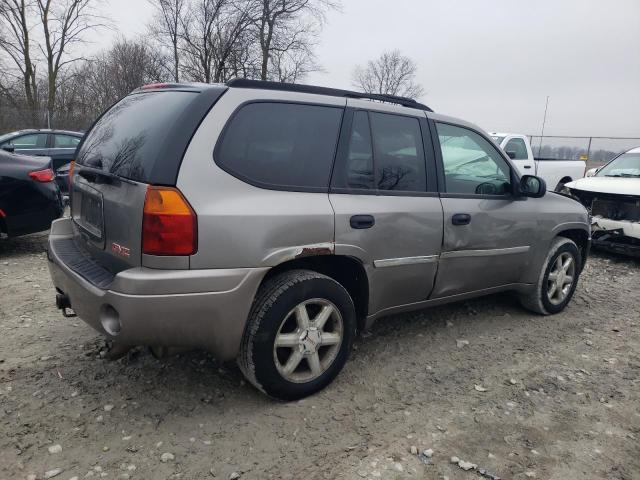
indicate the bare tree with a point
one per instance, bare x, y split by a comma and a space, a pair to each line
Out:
390, 74
95, 84
64, 24
167, 27
16, 44
213, 32
280, 26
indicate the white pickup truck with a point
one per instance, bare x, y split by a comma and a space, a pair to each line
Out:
555, 172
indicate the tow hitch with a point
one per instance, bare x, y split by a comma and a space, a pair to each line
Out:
63, 303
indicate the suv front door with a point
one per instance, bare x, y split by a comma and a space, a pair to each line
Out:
488, 232
387, 210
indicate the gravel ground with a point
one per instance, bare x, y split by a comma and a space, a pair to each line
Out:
526, 397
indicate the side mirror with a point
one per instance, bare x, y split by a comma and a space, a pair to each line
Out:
511, 154
532, 186
592, 172
9, 148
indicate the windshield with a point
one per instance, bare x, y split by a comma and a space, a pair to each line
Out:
626, 165
497, 139
6, 136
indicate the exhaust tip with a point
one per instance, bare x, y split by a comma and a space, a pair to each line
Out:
110, 320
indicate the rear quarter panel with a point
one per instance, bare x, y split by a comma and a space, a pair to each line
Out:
240, 225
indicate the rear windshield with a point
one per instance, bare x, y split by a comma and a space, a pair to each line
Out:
128, 139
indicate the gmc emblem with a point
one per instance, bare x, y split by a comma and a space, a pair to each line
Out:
120, 250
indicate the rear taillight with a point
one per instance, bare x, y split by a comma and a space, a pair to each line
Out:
169, 224
43, 176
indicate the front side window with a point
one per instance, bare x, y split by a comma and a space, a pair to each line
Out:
35, 140
384, 153
472, 165
65, 141
282, 145
516, 149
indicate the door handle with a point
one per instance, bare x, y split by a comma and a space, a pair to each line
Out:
461, 219
527, 166
360, 222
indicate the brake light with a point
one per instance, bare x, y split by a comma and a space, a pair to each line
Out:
43, 176
169, 224
159, 86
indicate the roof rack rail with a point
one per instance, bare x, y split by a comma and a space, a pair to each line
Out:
333, 92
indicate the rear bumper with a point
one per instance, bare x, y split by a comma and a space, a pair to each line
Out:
142, 306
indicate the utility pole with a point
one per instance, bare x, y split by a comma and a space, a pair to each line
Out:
544, 121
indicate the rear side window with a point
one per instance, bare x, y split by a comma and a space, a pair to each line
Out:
398, 153
65, 141
281, 145
128, 139
385, 153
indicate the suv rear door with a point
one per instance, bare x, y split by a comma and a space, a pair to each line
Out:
139, 142
387, 210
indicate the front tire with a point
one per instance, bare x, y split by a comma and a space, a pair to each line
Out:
557, 280
299, 334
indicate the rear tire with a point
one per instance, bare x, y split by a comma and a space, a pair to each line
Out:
557, 280
299, 334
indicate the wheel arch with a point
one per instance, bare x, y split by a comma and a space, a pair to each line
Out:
581, 238
347, 271
562, 182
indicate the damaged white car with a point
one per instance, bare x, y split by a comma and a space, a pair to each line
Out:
612, 195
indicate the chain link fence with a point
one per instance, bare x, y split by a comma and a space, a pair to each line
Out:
596, 151
12, 119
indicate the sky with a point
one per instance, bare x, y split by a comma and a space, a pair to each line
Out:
491, 62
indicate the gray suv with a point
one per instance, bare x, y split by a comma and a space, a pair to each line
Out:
268, 223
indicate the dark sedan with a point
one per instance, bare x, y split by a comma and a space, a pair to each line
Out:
29, 197
59, 145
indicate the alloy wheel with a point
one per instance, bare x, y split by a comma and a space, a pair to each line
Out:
308, 340
561, 277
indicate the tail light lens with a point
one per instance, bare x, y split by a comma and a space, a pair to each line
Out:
43, 176
169, 224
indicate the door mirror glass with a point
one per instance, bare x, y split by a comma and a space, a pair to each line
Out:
532, 186
511, 154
